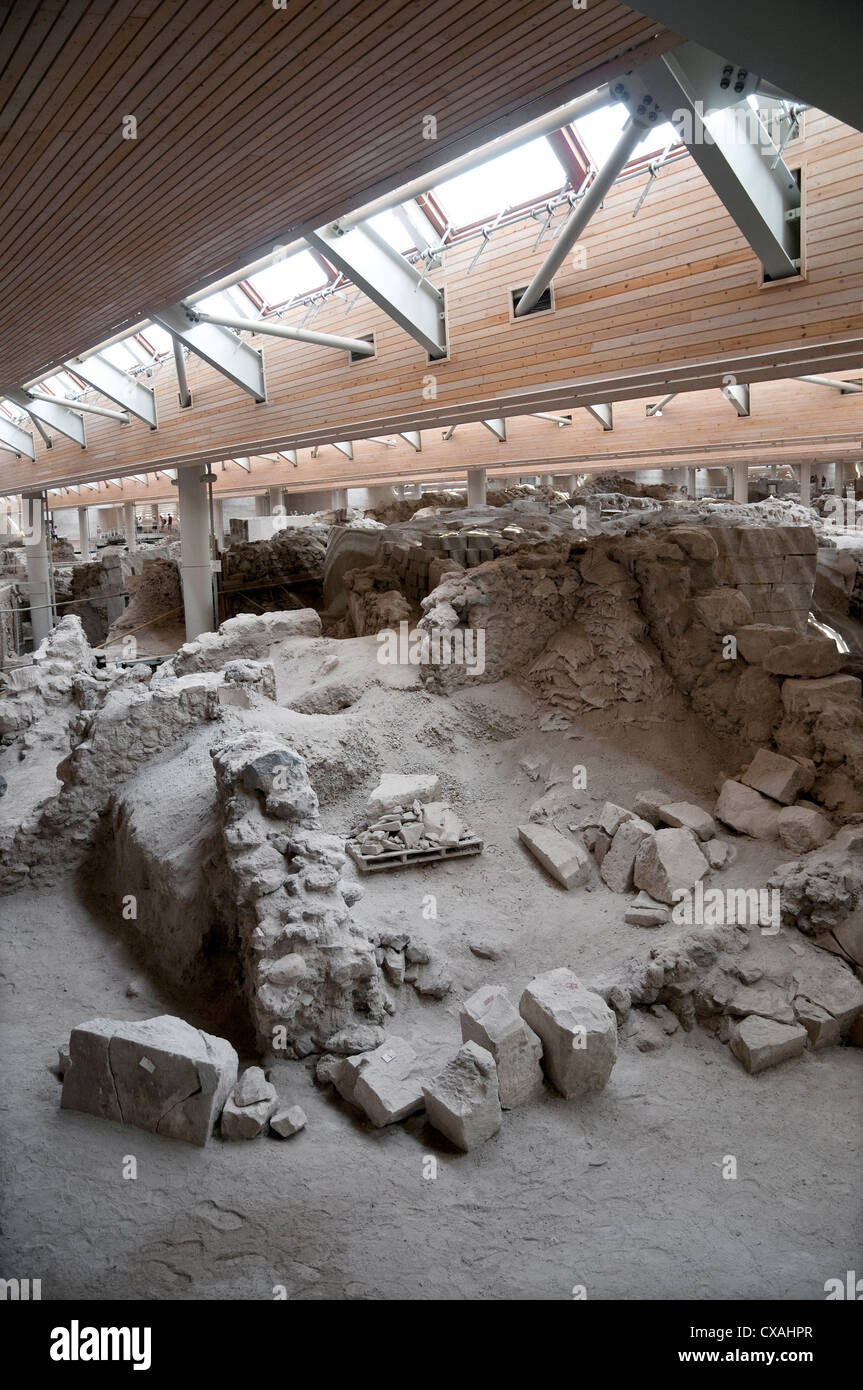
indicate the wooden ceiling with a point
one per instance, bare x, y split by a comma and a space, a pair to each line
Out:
251, 121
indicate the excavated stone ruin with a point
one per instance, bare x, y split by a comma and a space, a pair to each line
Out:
221, 794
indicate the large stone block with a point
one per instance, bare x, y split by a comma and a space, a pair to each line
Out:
395, 789
802, 828
618, 863
248, 1121
759, 542
826, 981
758, 640
160, 1074
747, 811
611, 816
386, 1084
647, 803
774, 775
490, 1019
761, 1042
462, 1101
668, 863
565, 859
723, 610
806, 656
807, 696
790, 596
578, 1032
687, 816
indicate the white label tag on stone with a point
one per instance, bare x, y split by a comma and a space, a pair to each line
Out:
147, 1064
387, 1056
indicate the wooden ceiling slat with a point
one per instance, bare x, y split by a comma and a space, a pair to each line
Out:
132, 62
259, 119
24, 27
174, 142
237, 187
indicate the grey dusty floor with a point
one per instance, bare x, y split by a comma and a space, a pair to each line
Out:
624, 1194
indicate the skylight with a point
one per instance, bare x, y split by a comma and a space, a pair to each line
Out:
599, 134
508, 180
120, 355
393, 230
158, 339
61, 385
288, 279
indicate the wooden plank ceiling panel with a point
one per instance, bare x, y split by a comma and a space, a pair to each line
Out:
252, 121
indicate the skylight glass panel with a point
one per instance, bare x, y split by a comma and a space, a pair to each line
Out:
120, 355
62, 385
505, 181
219, 303
600, 131
159, 340
393, 230
288, 279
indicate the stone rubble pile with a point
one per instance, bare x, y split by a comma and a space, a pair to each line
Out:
118, 722
253, 1107
561, 1030
770, 996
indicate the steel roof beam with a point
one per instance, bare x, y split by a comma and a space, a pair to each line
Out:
730, 145
737, 394
603, 412
390, 281
16, 440
52, 414
497, 428
223, 350
111, 381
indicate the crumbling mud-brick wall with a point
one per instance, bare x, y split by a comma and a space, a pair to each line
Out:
156, 599
309, 969
291, 553
95, 593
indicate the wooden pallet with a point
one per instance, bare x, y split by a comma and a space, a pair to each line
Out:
403, 859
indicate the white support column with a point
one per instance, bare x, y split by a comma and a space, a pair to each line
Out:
129, 525
275, 499
262, 504
476, 487
219, 522
729, 482
84, 534
38, 570
195, 569
339, 499
154, 513
741, 481
839, 479
804, 483
692, 483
